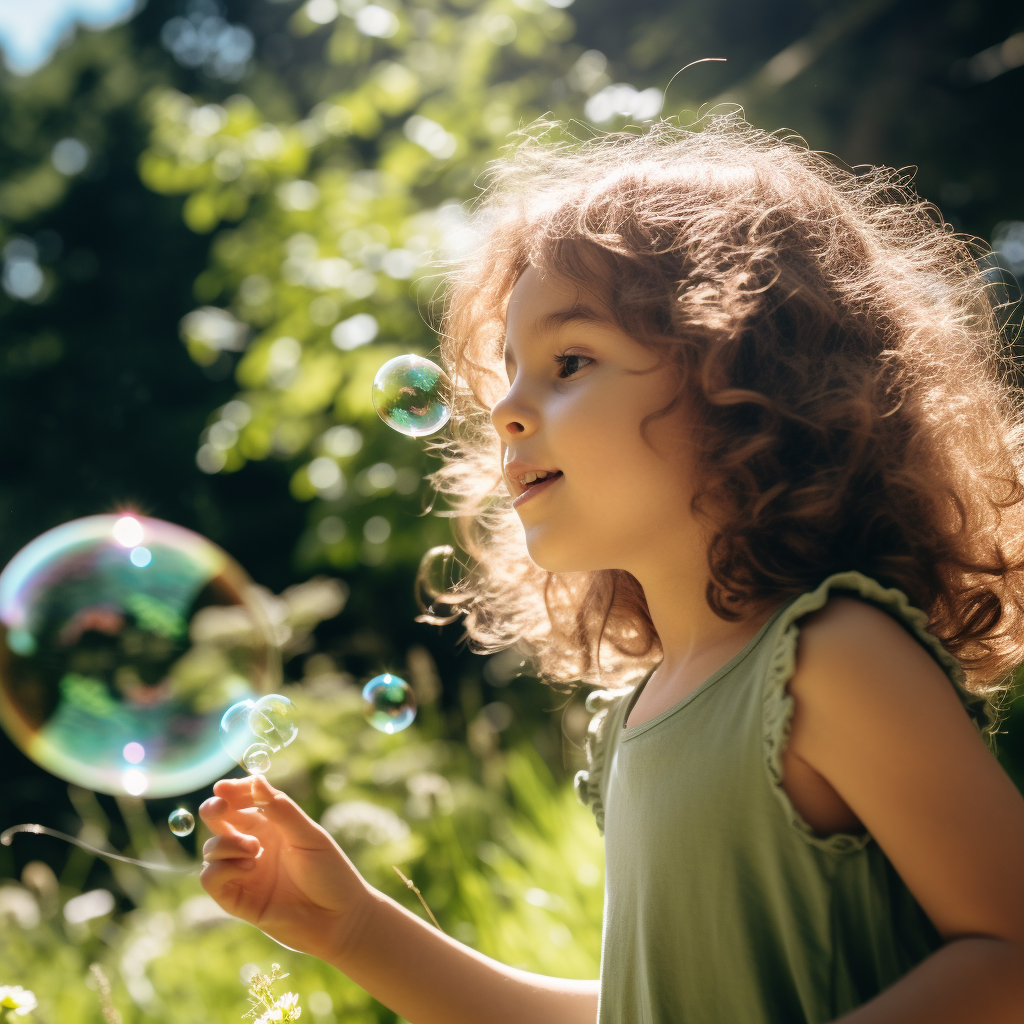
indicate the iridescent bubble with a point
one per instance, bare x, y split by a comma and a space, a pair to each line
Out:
412, 395
272, 719
256, 760
123, 640
269, 722
390, 703
181, 822
235, 735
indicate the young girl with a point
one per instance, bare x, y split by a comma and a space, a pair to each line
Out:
737, 421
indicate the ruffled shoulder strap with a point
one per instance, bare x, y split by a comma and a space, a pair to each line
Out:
607, 708
778, 703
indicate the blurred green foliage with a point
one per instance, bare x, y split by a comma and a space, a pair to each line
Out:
342, 217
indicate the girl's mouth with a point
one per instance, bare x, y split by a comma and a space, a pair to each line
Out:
536, 487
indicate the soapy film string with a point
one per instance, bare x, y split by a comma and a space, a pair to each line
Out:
8, 834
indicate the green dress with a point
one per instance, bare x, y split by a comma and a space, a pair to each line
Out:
722, 906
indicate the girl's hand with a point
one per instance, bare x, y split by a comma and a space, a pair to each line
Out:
273, 866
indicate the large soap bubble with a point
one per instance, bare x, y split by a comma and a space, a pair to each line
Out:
412, 395
123, 639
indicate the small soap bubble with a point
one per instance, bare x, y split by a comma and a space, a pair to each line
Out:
181, 821
272, 720
390, 703
412, 395
123, 640
256, 760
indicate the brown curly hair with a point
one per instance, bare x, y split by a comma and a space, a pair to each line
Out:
855, 402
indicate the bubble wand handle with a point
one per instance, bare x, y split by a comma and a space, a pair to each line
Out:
41, 830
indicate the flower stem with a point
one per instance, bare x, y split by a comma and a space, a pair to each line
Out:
409, 885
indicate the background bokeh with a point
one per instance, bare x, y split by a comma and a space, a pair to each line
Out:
216, 221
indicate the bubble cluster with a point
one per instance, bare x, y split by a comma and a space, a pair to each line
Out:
412, 395
123, 639
181, 822
390, 704
251, 731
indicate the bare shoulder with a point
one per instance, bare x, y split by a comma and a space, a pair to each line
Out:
863, 682
851, 650
850, 622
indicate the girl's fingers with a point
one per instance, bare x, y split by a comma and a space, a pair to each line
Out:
253, 807
236, 792
216, 876
284, 812
214, 812
255, 791
223, 820
231, 847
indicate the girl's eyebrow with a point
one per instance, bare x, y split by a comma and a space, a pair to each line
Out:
576, 314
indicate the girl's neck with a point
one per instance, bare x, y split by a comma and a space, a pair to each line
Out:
691, 633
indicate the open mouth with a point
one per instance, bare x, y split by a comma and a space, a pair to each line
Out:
534, 483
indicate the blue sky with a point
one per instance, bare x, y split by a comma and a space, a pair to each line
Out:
30, 30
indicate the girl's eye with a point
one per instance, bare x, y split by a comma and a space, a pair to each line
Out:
571, 363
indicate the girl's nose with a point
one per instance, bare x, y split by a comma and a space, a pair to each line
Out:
512, 417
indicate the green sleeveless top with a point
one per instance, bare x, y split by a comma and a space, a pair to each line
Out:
722, 906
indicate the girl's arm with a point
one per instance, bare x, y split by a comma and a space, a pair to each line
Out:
427, 977
270, 864
878, 719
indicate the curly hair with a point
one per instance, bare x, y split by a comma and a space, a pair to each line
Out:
855, 402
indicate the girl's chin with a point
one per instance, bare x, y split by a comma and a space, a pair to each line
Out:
553, 556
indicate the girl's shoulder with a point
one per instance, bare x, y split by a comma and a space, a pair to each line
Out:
852, 639
857, 657
852, 620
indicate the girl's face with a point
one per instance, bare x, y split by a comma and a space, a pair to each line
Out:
579, 391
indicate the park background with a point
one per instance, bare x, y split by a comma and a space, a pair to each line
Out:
217, 220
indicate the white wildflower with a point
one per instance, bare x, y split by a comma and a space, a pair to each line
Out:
18, 999
289, 1004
